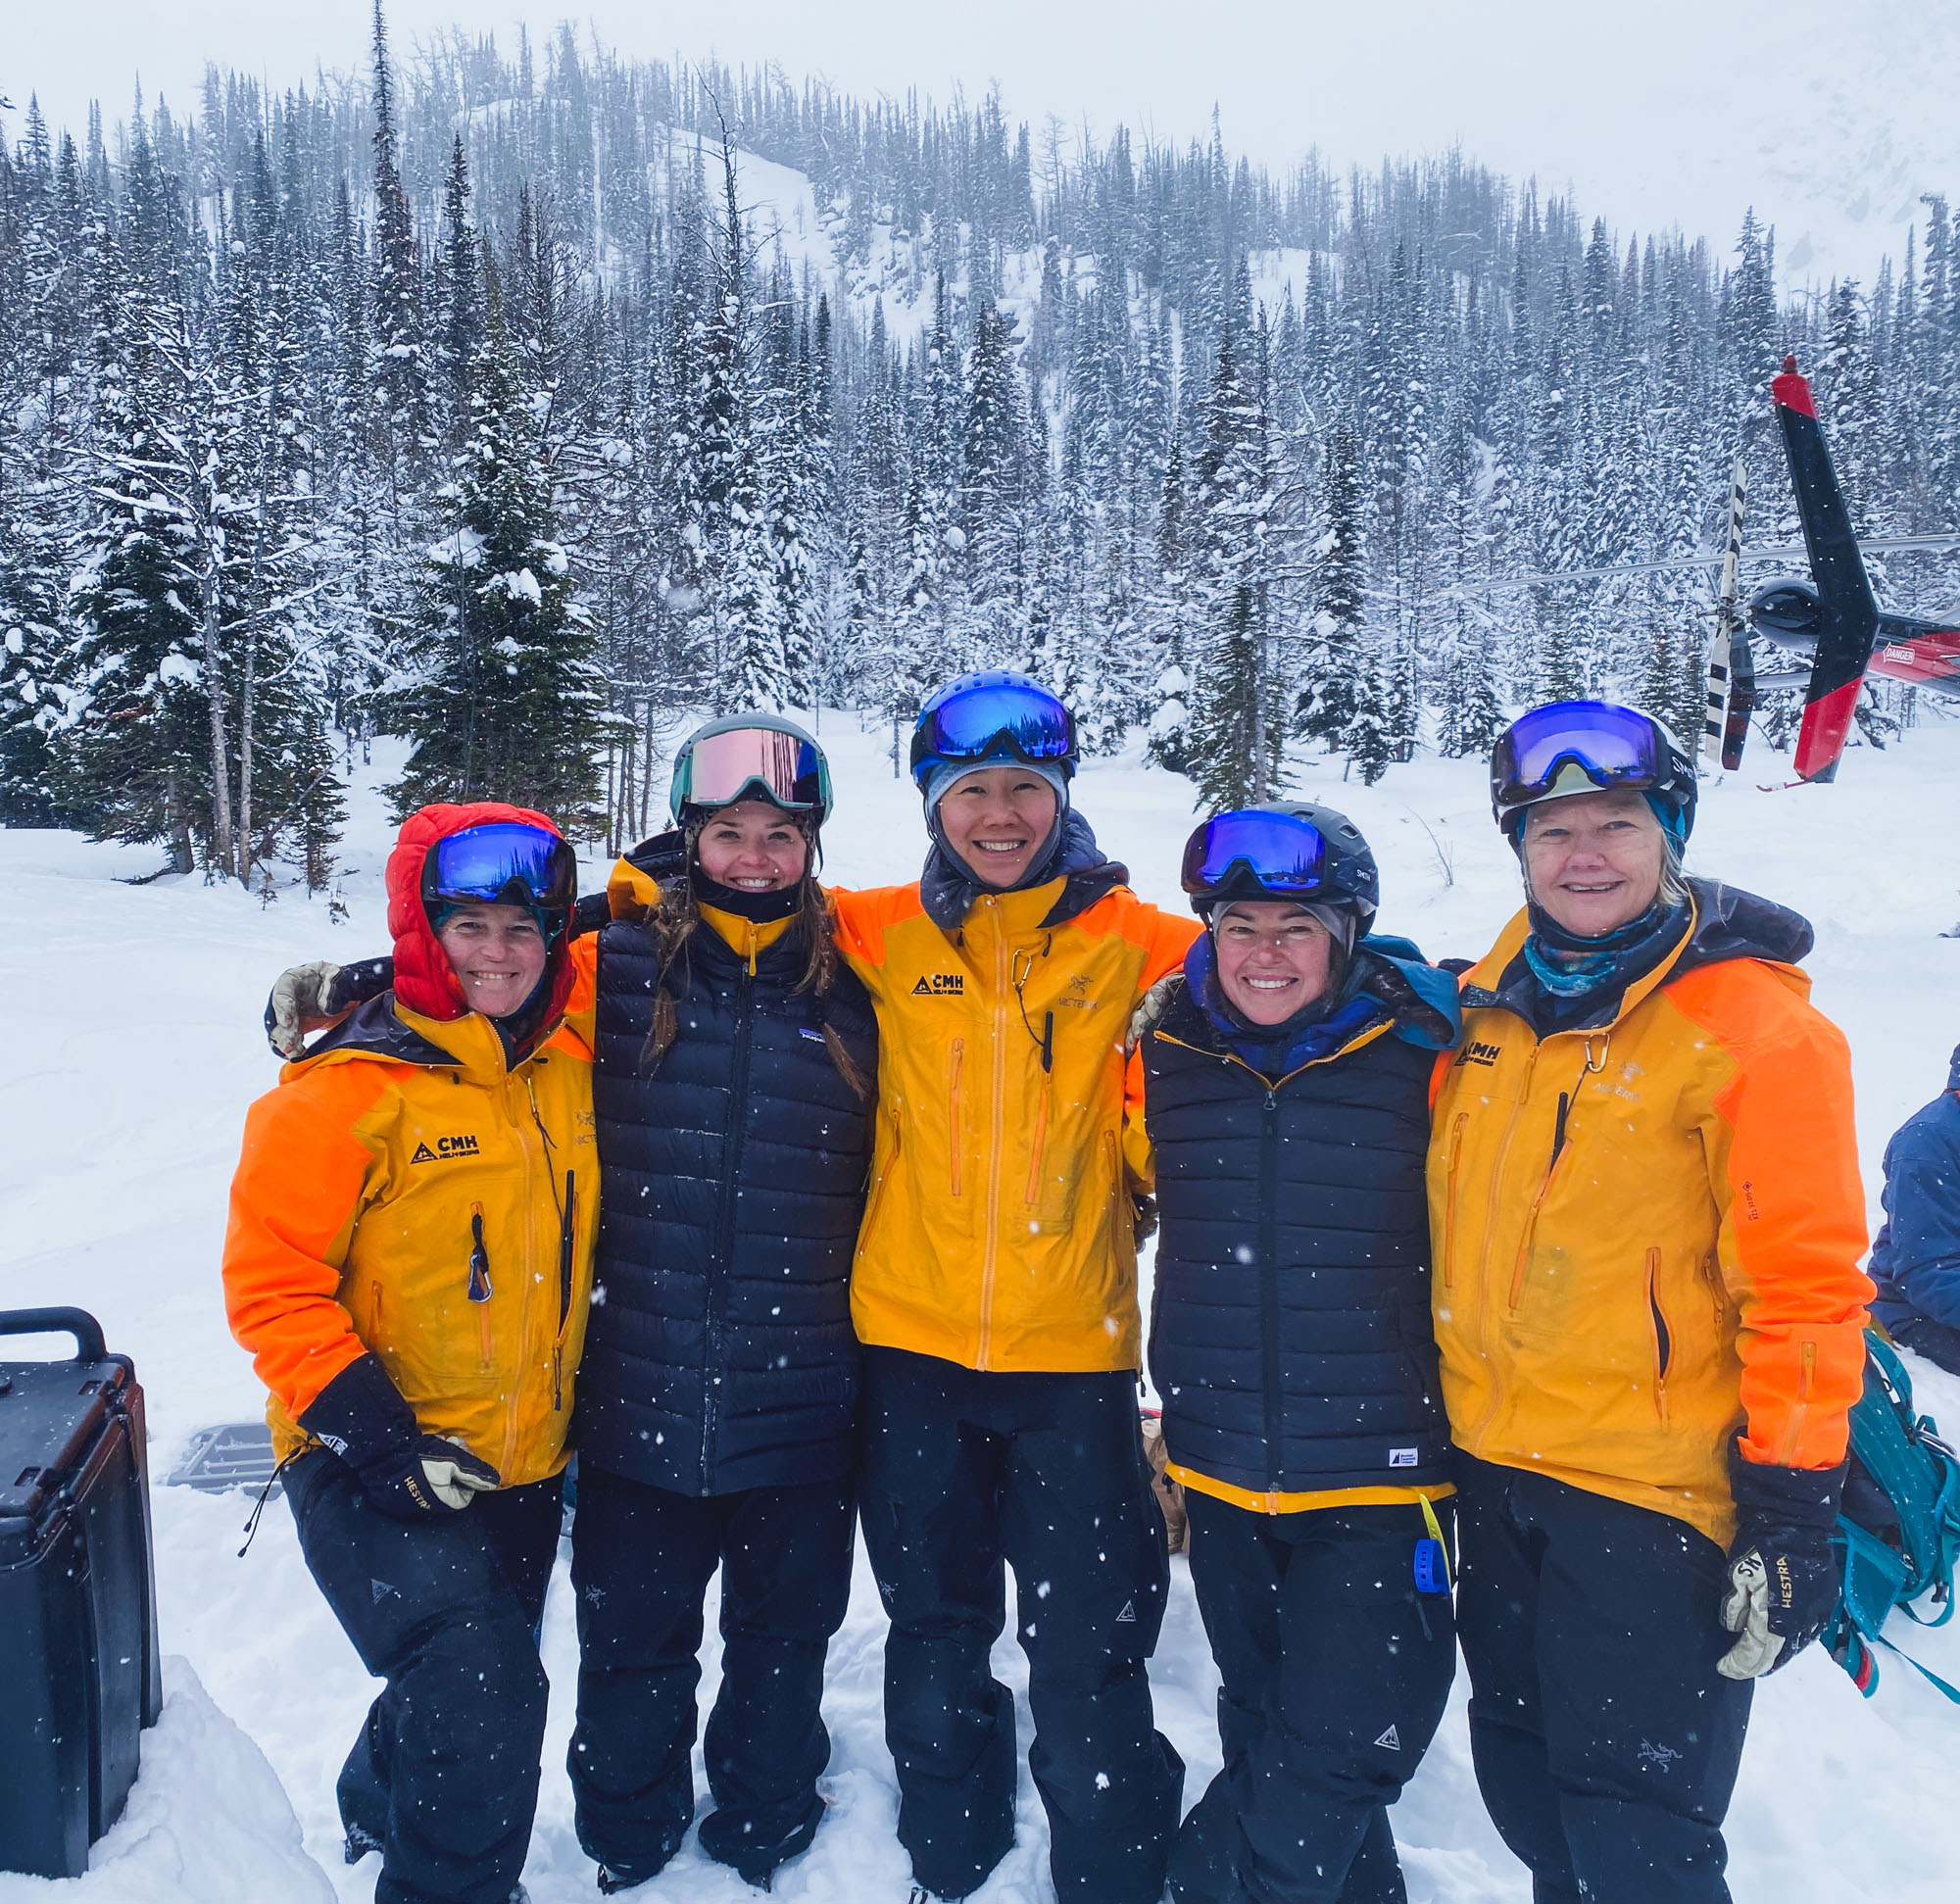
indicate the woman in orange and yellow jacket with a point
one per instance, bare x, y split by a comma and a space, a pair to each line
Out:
1647, 1220
408, 1260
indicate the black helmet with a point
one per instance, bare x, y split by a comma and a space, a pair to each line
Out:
1291, 850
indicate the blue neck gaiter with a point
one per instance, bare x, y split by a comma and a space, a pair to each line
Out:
1274, 1050
1567, 966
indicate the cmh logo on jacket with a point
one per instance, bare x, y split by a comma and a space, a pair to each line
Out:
464, 1144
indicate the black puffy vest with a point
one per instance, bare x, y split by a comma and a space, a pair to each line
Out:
719, 1355
1289, 1327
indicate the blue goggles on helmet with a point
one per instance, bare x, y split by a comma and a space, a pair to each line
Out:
505, 862
1246, 854
1611, 746
994, 716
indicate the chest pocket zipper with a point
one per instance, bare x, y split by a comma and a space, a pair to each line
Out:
480, 1289
1449, 1198
958, 1064
1662, 1338
1566, 1099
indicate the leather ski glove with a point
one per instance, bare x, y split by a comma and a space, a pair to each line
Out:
362, 1417
307, 999
1783, 1576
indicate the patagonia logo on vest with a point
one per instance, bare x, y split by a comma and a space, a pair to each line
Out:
446, 1148
1477, 1052
940, 985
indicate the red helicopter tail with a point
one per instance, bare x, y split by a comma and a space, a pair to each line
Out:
1848, 622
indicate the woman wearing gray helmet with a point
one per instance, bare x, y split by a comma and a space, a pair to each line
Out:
1286, 1078
1644, 1186
716, 1430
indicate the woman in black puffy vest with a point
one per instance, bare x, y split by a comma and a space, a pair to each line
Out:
1285, 1100
733, 1088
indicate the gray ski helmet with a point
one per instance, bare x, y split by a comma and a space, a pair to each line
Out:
1289, 849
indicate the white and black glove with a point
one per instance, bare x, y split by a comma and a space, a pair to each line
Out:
1783, 1573
362, 1417
307, 999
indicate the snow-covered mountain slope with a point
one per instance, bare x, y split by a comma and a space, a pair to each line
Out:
1830, 116
134, 1046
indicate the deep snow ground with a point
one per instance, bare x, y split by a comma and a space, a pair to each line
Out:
133, 1032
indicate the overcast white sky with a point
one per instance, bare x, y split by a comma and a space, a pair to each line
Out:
1830, 116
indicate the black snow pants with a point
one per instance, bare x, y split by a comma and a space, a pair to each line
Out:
444, 1776
1334, 1673
640, 1560
1607, 1744
964, 1475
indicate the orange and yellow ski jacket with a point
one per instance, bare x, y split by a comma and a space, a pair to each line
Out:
384, 1178
1647, 1234
407, 1188
1001, 1228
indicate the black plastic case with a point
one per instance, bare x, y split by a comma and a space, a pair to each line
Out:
77, 1595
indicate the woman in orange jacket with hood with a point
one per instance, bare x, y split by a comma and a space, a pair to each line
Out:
408, 1260
1647, 1220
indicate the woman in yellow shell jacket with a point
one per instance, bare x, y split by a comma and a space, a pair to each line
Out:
408, 1260
1648, 1219
994, 1290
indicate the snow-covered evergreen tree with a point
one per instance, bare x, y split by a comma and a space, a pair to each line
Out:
499, 695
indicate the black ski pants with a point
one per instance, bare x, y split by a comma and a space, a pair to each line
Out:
640, 1560
445, 1773
964, 1475
1607, 1744
1334, 1673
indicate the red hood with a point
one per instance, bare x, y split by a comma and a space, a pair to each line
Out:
423, 980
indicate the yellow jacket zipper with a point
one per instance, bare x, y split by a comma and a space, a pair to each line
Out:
998, 1108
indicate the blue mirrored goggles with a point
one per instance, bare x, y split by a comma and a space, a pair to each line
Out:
506, 862
1276, 853
990, 721
1610, 745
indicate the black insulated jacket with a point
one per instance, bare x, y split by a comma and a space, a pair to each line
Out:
1290, 1341
719, 1355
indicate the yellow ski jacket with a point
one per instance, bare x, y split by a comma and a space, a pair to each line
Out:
1001, 1230
1647, 1234
403, 1190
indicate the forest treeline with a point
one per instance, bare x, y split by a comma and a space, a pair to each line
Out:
490, 401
